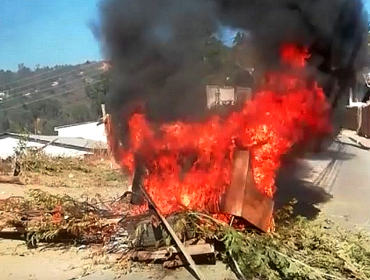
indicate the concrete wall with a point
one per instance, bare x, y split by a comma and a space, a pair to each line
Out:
243, 93
90, 131
219, 95
227, 94
8, 144
212, 95
350, 119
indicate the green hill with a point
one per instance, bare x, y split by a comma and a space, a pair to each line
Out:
40, 99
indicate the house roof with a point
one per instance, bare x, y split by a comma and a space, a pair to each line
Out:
74, 124
66, 142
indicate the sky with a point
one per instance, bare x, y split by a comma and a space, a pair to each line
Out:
51, 32
47, 32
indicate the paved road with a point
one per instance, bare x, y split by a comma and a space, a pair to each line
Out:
344, 172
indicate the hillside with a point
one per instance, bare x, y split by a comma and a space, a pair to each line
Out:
37, 100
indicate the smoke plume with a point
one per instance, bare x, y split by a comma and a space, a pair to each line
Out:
157, 47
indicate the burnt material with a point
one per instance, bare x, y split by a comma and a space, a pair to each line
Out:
141, 230
137, 197
243, 199
202, 254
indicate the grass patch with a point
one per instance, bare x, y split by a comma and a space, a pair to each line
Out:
112, 176
40, 163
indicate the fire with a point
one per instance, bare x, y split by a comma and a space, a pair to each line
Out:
190, 164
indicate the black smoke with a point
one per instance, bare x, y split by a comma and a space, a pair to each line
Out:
157, 47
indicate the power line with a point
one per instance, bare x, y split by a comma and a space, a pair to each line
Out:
51, 77
46, 97
20, 94
39, 82
43, 73
27, 78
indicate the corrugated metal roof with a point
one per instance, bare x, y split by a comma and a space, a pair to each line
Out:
73, 141
68, 142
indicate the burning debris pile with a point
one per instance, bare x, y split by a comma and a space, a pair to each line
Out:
296, 248
294, 113
159, 125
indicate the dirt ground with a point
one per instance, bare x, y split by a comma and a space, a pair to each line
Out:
65, 262
332, 175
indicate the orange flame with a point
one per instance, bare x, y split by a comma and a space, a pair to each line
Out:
268, 126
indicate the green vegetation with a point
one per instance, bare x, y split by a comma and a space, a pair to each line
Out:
40, 99
297, 249
60, 216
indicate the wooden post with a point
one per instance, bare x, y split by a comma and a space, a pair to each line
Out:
178, 242
103, 111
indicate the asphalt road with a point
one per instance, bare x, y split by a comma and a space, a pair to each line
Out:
343, 171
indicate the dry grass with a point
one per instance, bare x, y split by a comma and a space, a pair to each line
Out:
94, 171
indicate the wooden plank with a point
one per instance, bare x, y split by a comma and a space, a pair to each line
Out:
243, 199
12, 230
164, 254
10, 180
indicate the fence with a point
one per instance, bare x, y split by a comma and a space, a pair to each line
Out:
364, 121
358, 118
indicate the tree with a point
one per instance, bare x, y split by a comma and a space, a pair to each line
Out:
42, 112
4, 122
23, 71
6, 77
80, 113
97, 95
45, 109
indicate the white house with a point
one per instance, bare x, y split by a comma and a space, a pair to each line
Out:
217, 95
88, 130
4, 94
51, 145
212, 95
